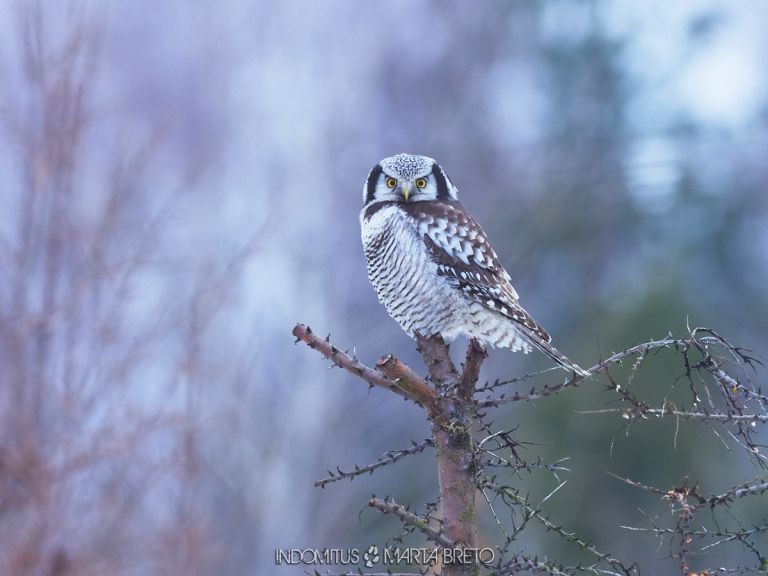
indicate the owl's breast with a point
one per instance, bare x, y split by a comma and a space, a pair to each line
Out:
404, 275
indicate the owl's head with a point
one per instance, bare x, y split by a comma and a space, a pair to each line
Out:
408, 178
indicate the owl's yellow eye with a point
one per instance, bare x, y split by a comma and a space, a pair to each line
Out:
391, 182
421, 182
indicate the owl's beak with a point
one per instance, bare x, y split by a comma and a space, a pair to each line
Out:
405, 189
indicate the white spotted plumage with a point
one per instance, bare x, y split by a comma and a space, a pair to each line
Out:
432, 266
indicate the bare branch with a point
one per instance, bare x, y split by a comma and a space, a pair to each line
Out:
415, 390
475, 356
756, 486
630, 413
512, 496
358, 573
441, 369
407, 380
520, 564
536, 394
686, 501
408, 517
389, 457
640, 485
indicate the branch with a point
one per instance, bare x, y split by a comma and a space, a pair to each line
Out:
389, 457
636, 484
358, 573
757, 486
686, 501
536, 394
413, 388
407, 380
434, 350
725, 535
475, 356
631, 413
498, 383
522, 564
407, 517
509, 494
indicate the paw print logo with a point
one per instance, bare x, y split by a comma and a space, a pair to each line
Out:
371, 556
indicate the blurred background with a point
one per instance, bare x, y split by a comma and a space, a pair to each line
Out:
181, 185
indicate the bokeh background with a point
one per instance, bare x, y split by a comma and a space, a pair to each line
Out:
181, 184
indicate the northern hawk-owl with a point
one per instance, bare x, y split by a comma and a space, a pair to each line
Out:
432, 265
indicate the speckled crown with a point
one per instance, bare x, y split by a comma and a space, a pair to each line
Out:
407, 166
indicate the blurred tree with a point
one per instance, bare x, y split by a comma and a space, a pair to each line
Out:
99, 473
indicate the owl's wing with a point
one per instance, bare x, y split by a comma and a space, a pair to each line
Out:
462, 252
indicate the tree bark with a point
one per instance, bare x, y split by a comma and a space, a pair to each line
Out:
455, 451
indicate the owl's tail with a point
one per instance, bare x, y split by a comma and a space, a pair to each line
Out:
539, 338
558, 356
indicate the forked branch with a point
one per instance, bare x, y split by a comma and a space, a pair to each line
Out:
391, 374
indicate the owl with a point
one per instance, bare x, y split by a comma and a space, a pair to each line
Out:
432, 265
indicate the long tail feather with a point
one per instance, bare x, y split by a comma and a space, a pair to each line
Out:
540, 338
555, 354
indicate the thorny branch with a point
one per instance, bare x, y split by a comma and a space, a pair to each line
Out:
545, 391
469, 376
744, 405
389, 457
669, 410
360, 573
722, 394
685, 502
407, 517
405, 382
513, 498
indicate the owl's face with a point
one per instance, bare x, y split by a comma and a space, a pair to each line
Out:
408, 178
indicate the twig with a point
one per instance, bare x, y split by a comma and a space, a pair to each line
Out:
686, 501
359, 573
510, 493
546, 391
659, 412
640, 485
408, 517
522, 564
756, 486
389, 457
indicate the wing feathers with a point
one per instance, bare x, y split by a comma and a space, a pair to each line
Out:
462, 252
